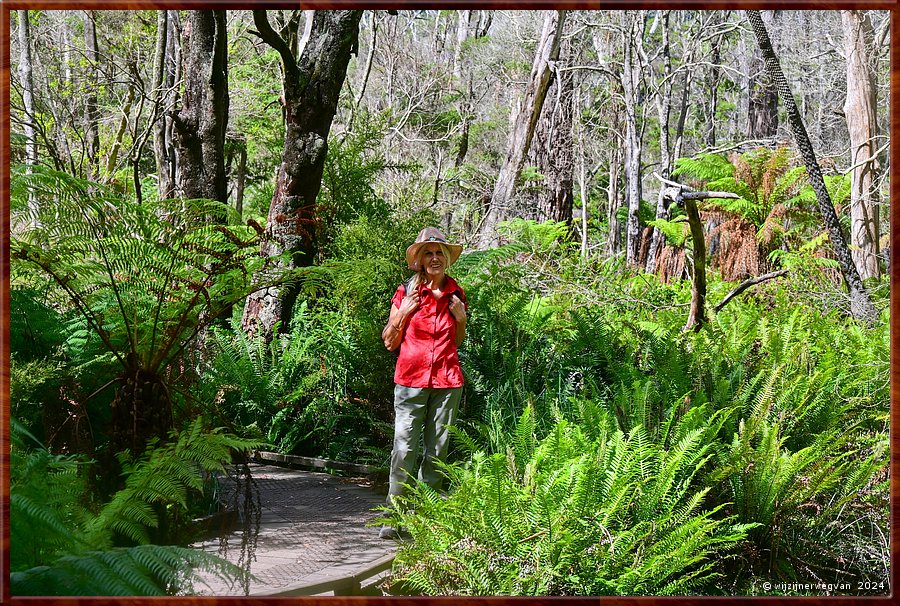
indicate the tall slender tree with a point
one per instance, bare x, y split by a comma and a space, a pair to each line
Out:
861, 305
631, 85
26, 73
762, 113
164, 78
546, 54
860, 113
92, 82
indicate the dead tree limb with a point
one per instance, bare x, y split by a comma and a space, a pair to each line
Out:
747, 284
686, 198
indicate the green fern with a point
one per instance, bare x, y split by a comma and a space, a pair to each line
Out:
165, 475
144, 570
601, 517
59, 547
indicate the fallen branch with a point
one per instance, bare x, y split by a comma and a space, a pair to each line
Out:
747, 284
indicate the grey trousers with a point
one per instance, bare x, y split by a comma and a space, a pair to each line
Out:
415, 409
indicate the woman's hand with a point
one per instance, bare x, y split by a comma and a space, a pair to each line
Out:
457, 308
409, 304
393, 331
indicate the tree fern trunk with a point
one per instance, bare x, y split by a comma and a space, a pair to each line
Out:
860, 304
140, 412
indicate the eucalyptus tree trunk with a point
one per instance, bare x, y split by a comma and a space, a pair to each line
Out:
26, 74
462, 34
763, 106
91, 127
201, 123
860, 112
523, 130
62, 141
614, 244
552, 153
663, 100
630, 78
861, 305
713, 77
164, 62
311, 86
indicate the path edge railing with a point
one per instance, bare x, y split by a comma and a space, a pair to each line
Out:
311, 462
347, 585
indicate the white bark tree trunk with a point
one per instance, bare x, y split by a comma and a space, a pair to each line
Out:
27, 76
523, 130
631, 76
860, 112
612, 198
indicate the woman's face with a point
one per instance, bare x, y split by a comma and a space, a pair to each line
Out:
433, 260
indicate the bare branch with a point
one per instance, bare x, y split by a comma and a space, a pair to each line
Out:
271, 37
747, 284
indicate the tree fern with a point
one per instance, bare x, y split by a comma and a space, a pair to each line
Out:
146, 281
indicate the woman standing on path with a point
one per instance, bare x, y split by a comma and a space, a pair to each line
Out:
428, 323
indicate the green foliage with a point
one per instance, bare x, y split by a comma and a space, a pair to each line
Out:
145, 279
676, 232
30, 384
140, 282
768, 186
143, 570
165, 475
295, 391
568, 515
352, 164
539, 237
44, 500
60, 546
776, 412
704, 168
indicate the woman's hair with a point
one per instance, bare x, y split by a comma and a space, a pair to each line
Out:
419, 277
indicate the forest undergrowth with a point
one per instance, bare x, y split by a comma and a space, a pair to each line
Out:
606, 451
601, 448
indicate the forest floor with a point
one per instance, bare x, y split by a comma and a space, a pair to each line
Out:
300, 533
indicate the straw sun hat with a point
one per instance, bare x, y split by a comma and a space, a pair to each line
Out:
426, 236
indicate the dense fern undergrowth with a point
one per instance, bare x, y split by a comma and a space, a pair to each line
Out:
604, 451
600, 450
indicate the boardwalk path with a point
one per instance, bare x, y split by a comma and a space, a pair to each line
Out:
311, 528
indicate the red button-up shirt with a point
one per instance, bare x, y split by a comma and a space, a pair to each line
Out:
428, 353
